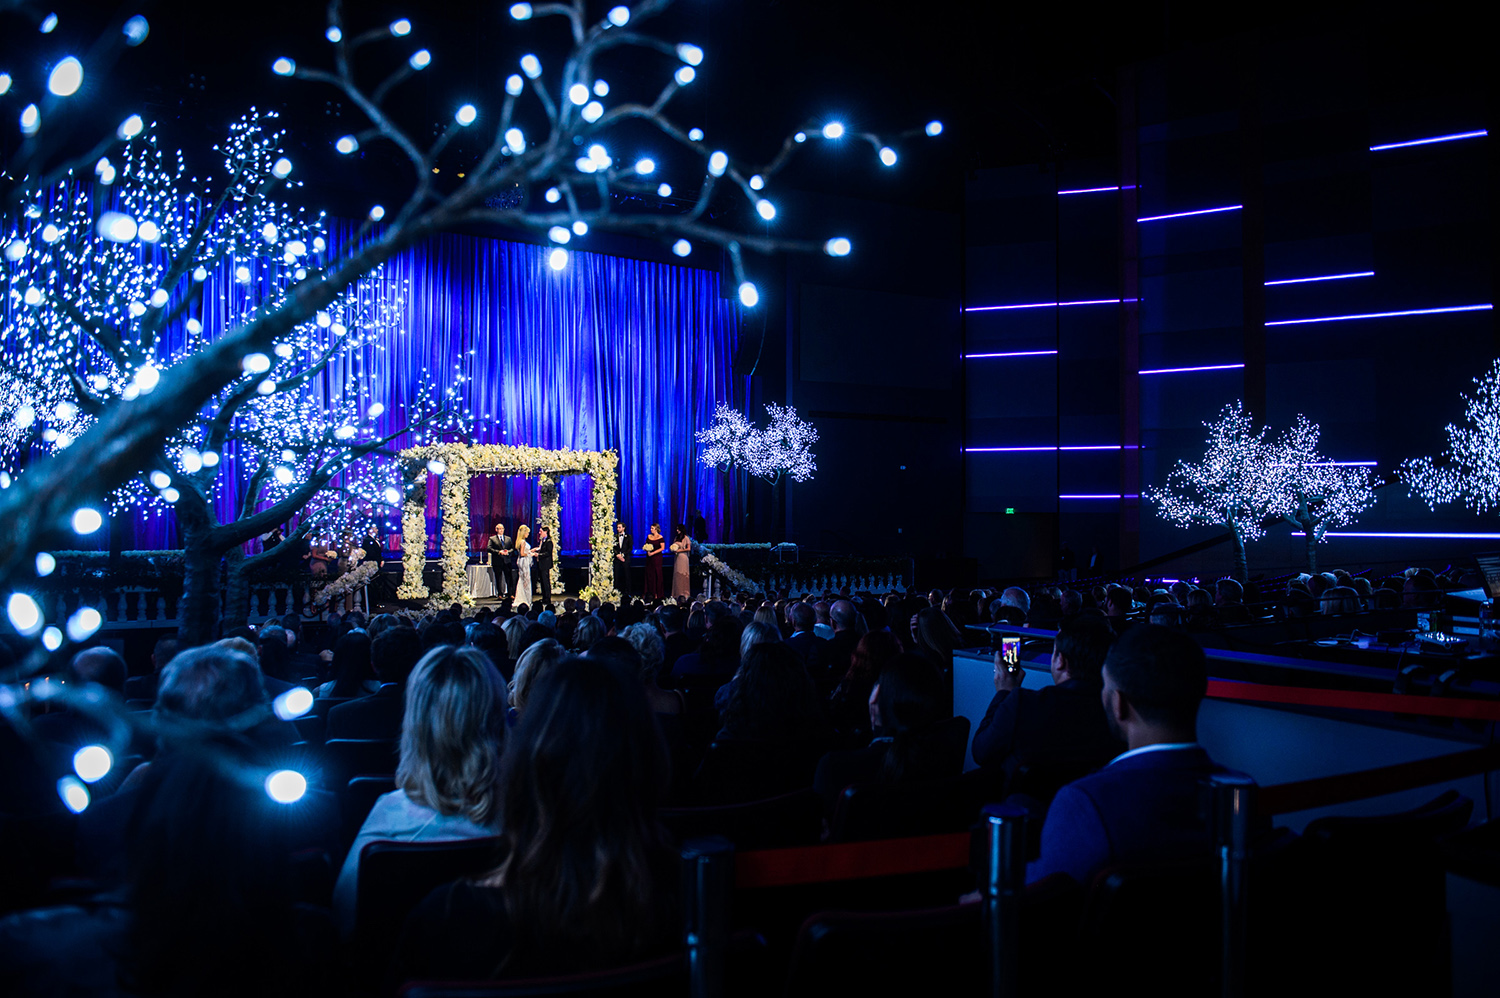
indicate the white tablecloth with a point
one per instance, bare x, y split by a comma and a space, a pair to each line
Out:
481, 582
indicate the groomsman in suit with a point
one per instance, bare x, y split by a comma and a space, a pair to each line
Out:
543, 564
622, 559
502, 561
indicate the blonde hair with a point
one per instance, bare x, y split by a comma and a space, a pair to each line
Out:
534, 661
451, 734
522, 532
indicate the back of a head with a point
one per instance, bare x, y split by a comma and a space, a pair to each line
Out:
581, 780
773, 697
1016, 597
491, 640
936, 634
606, 613
871, 655
1162, 672
1070, 603
451, 733
1229, 591
842, 613
911, 695
618, 653
1084, 641
166, 648
381, 622
766, 614
757, 633
589, 630
534, 662
714, 611
672, 618
99, 664
395, 653
648, 645
351, 664
820, 611
802, 616
211, 684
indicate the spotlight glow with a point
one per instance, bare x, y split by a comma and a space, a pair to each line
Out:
466, 115
92, 763
557, 259
286, 786
66, 77
293, 703
749, 296
682, 247
833, 130
86, 520
83, 623
73, 793
24, 613
578, 93
838, 246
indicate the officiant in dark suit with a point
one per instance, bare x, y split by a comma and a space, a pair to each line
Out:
622, 559
542, 566
502, 561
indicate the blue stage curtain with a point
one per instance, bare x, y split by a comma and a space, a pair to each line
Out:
608, 353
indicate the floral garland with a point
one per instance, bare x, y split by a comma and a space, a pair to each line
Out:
737, 581
356, 578
550, 517
413, 547
463, 460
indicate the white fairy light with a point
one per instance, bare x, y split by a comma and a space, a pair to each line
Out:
284, 66
520, 11
135, 30
334, 34
645, 166
346, 144
934, 128
553, 195
130, 127
664, 190
592, 111
86, 520
5, 82
52, 638
46, 564
757, 182
194, 326
749, 296
82, 624
255, 363
401, 27
286, 786
148, 231
887, 156
765, 209
66, 77
695, 134
601, 88
578, 93
92, 763
377, 212
682, 247
558, 234
391, 495
799, 138
833, 130
718, 162
282, 169
580, 228
160, 479
420, 59
466, 115
24, 613
557, 259
31, 120
515, 141
837, 246
375, 410
210, 459
514, 84
685, 75
117, 227
190, 460
283, 474
1468, 469
585, 165
531, 66
619, 16
437, 466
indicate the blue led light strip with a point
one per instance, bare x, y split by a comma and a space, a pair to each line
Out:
1017, 353
998, 450
1478, 134
1384, 315
1185, 214
1324, 277
1413, 536
1184, 370
1048, 304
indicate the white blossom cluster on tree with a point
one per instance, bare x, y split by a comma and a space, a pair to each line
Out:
1247, 480
1468, 469
1310, 490
782, 449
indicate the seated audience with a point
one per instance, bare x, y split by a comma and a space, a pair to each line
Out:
534, 663
676, 642
589, 630
936, 638
849, 706
649, 645
1037, 740
803, 641
100, 667
908, 706
589, 874
144, 687
353, 675
1144, 805
394, 654
451, 739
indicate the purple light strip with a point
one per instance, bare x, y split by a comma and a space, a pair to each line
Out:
1091, 190
997, 450
1185, 214
1383, 315
1184, 370
1334, 464
1100, 497
1325, 277
1460, 537
1018, 353
1049, 304
1479, 134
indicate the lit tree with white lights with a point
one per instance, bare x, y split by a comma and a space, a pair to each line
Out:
1468, 469
560, 159
1311, 491
112, 285
1228, 488
783, 450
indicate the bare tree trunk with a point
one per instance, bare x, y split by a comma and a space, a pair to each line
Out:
236, 589
1312, 549
198, 611
1241, 562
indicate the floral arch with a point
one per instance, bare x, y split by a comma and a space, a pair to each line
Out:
460, 461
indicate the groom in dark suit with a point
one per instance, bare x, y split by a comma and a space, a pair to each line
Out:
543, 565
621, 560
1144, 806
502, 561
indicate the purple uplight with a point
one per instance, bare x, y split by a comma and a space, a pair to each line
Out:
1384, 315
1017, 353
1477, 134
1049, 304
1091, 190
1047, 448
1413, 536
1324, 277
1115, 496
1184, 370
1185, 214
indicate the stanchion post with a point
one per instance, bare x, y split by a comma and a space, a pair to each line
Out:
707, 878
1004, 886
1234, 808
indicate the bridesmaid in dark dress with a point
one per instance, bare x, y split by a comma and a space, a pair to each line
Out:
655, 544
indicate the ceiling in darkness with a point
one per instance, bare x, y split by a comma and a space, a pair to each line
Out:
1013, 83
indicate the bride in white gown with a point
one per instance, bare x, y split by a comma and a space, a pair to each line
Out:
523, 566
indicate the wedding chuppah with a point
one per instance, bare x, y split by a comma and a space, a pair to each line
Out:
454, 464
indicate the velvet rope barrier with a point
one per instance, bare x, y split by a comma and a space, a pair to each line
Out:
1395, 703
851, 860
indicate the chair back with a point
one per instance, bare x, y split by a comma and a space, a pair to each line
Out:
358, 799
888, 811
1132, 911
665, 975
792, 819
394, 877
346, 758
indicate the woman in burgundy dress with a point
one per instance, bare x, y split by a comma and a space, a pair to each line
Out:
655, 544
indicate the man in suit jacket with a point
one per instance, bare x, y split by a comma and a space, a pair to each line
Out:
838, 650
806, 643
677, 643
1037, 740
622, 559
393, 654
543, 564
499, 550
1143, 806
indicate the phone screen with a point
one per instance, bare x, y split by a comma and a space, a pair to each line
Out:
1010, 653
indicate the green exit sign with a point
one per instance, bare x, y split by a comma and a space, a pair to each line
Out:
1009, 510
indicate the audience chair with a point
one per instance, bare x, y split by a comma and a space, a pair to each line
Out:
311, 728
665, 975
792, 819
346, 758
357, 800
1129, 914
394, 877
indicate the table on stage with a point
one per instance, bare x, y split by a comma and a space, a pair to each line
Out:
481, 582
